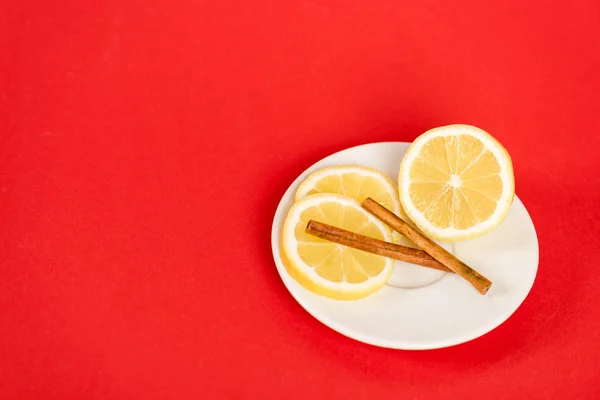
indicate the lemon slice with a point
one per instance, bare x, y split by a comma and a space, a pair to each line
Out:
327, 268
353, 181
456, 182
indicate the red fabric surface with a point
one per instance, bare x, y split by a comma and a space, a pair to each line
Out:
144, 146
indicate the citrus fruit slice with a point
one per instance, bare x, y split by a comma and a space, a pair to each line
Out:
456, 182
327, 268
353, 181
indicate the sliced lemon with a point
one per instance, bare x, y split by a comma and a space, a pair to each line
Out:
456, 182
353, 181
327, 268
356, 182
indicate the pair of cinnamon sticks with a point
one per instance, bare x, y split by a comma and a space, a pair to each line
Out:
432, 255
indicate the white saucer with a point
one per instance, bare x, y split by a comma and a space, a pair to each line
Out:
434, 309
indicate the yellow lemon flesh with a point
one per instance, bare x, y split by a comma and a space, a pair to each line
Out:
357, 182
456, 182
353, 181
327, 268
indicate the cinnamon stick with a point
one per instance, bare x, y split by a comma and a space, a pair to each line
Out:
374, 246
480, 282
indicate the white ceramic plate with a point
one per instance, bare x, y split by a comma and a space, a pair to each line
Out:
424, 309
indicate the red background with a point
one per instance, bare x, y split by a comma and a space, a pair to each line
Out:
144, 146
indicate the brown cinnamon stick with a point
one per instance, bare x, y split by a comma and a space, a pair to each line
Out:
480, 282
371, 245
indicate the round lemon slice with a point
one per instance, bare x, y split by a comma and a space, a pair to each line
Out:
327, 268
353, 181
456, 182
